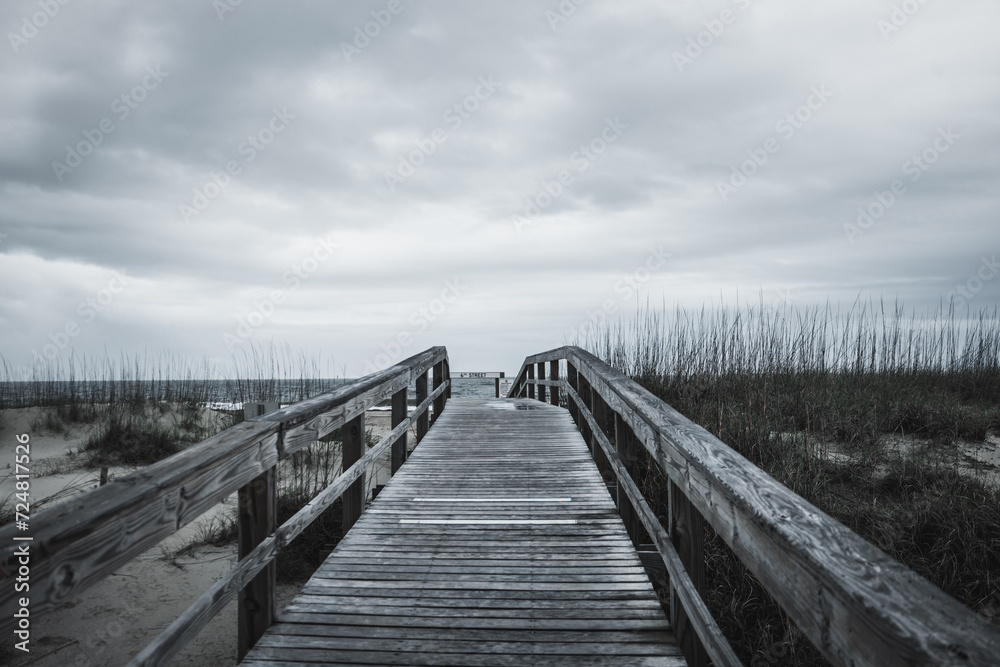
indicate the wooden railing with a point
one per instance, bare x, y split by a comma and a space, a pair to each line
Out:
79, 542
857, 605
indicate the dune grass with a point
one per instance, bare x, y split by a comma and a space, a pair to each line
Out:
147, 407
813, 396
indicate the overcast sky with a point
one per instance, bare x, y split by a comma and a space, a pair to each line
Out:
359, 179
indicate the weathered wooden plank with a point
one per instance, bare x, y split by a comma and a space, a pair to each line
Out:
513, 624
438, 646
485, 466
467, 634
326, 605
274, 657
581, 607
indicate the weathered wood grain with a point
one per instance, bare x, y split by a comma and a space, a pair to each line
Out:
554, 383
353, 449
78, 542
257, 520
856, 604
533, 565
82, 540
541, 382
186, 626
687, 590
422, 418
399, 413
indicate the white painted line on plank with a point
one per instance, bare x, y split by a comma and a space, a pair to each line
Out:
491, 521
492, 500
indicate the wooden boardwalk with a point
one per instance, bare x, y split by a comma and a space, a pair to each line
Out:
497, 543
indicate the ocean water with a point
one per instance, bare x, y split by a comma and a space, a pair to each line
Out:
218, 394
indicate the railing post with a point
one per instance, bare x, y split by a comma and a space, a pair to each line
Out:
687, 532
572, 378
554, 375
422, 421
447, 376
530, 368
586, 395
626, 446
353, 449
438, 381
541, 376
399, 412
257, 519
600, 416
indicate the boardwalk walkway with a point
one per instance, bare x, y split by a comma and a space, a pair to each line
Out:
497, 543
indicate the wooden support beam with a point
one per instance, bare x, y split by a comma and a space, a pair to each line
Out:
353, 449
422, 421
447, 376
541, 376
530, 368
588, 401
554, 375
438, 381
399, 413
257, 520
597, 409
687, 532
626, 447
572, 379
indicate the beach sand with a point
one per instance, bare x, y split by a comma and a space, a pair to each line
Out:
111, 621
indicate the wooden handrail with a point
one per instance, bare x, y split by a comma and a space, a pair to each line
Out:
857, 605
79, 542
